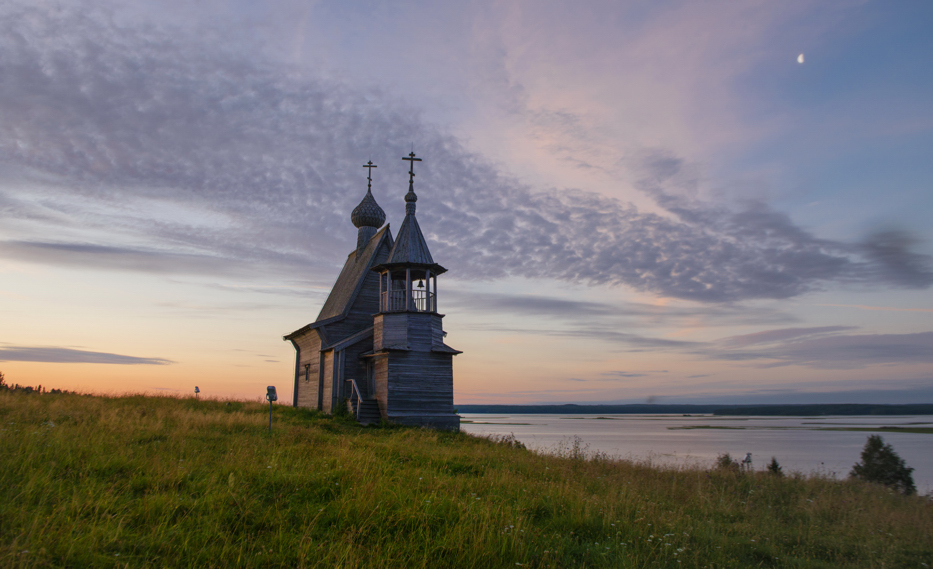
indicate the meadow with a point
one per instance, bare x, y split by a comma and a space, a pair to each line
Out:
139, 481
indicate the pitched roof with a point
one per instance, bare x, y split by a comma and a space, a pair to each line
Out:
351, 278
410, 246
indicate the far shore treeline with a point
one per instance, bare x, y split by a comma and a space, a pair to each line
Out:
757, 410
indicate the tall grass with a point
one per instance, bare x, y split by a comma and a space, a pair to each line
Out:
155, 481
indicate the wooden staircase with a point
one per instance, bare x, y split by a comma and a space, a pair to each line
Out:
368, 412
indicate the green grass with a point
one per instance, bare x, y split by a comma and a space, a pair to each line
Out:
155, 481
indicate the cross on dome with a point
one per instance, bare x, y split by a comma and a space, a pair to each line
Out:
369, 176
410, 197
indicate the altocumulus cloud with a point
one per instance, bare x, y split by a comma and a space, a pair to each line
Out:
265, 164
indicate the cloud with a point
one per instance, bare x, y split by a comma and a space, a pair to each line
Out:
895, 261
584, 312
820, 348
635, 342
155, 136
771, 336
122, 258
621, 374
57, 355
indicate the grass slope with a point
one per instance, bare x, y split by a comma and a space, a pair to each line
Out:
153, 481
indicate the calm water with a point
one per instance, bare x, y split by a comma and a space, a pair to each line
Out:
669, 440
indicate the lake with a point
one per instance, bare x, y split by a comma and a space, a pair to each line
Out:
804, 444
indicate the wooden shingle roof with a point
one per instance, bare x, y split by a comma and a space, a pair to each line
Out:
410, 247
348, 284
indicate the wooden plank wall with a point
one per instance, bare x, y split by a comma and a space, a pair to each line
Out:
310, 346
424, 331
327, 365
381, 371
422, 382
390, 330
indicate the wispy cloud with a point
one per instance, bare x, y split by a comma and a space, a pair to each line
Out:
58, 355
782, 335
621, 374
584, 312
119, 258
879, 308
827, 350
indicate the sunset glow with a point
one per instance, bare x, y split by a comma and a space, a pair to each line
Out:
634, 200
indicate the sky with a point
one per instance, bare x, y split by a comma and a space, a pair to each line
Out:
665, 201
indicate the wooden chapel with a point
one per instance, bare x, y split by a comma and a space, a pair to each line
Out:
378, 342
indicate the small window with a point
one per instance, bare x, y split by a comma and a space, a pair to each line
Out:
307, 372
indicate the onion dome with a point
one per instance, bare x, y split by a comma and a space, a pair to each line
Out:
368, 213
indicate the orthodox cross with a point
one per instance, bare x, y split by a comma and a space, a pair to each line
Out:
369, 176
411, 171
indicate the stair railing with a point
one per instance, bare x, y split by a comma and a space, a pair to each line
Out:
355, 391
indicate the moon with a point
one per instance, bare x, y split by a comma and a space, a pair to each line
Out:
800, 58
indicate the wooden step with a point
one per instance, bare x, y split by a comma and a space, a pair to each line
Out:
369, 412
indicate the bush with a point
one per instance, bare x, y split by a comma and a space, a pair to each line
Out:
881, 465
775, 468
342, 410
725, 462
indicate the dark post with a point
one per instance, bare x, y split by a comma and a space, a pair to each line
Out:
271, 396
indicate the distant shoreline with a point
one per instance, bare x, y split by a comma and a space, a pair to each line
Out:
800, 410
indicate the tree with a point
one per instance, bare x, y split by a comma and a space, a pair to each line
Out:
880, 464
775, 468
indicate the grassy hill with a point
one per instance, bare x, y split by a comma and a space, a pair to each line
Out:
154, 481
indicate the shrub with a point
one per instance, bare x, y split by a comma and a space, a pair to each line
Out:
342, 410
775, 468
725, 462
880, 464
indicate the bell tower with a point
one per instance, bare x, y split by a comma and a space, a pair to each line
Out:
413, 367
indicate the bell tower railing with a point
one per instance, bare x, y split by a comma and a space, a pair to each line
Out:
418, 301
399, 293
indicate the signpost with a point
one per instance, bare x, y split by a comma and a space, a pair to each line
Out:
271, 396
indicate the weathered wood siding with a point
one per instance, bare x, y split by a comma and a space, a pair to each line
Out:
422, 384
424, 331
381, 372
327, 363
390, 330
309, 346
